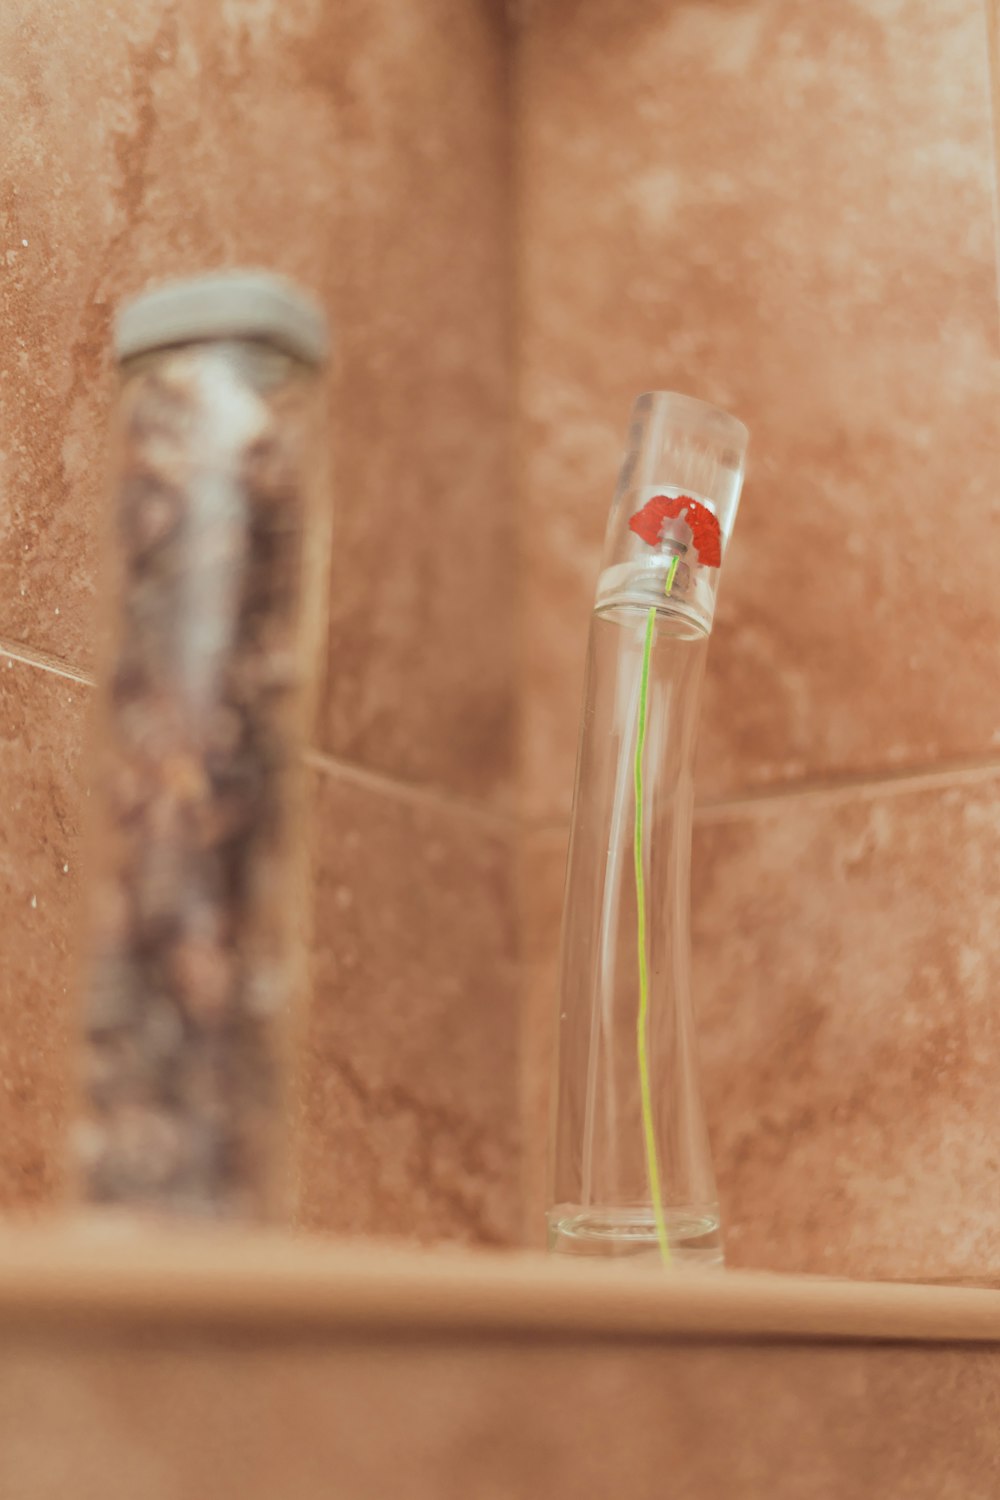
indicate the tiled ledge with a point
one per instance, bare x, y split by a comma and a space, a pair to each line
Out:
272, 1283
245, 1369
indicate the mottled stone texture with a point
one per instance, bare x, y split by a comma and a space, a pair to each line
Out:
359, 147
430, 1418
421, 645
411, 1116
41, 718
847, 963
781, 206
786, 208
141, 141
848, 971
541, 870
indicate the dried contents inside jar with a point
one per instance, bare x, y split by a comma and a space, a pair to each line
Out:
189, 984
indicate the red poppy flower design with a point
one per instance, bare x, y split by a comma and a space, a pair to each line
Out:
647, 523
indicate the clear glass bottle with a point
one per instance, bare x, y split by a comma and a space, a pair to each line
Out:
214, 597
631, 1170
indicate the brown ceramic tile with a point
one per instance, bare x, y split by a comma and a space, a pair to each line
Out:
785, 208
411, 1066
421, 677
171, 1418
411, 1057
41, 726
542, 868
847, 967
361, 149
141, 141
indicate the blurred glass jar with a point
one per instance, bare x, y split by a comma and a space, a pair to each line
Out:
215, 591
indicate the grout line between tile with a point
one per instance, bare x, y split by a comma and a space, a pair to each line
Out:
756, 803
429, 798
853, 788
29, 657
845, 789
371, 780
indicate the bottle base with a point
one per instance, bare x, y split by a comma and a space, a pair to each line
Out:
693, 1234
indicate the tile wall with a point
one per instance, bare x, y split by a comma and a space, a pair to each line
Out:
787, 209
362, 149
782, 207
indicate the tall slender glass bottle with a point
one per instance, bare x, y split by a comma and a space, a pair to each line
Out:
631, 1170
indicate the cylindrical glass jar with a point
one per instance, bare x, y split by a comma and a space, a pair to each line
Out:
214, 592
631, 1170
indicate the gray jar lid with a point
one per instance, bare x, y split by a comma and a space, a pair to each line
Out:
224, 305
